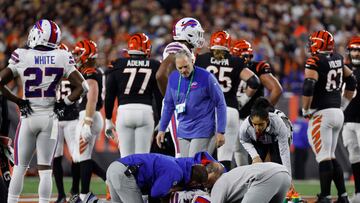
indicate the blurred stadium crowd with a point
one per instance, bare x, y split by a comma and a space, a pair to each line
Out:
277, 29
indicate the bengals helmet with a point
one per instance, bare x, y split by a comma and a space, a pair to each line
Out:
242, 47
321, 42
139, 44
354, 44
220, 40
84, 50
63, 47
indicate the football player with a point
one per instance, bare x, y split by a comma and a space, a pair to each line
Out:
188, 35
351, 133
6, 161
90, 119
40, 67
132, 81
228, 70
68, 120
322, 103
262, 69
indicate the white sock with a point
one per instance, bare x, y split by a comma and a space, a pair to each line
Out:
82, 196
16, 184
45, 186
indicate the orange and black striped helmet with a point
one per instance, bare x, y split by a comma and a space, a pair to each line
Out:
63, 46
220, 40
84, 50
354, 43
139, 44
321, 42
241, 47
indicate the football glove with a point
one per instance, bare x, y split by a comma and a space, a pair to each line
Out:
24, 107
243, 99
86, 132
308, 113
59, 108
109, 129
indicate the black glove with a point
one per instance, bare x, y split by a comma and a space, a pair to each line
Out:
59, 108
25, 108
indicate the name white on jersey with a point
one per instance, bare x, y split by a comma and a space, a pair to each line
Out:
40, 73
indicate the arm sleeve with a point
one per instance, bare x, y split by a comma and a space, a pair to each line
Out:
14, 62
168, 109
283, 143
245, 140
69, 64
165, 182
312, 63
218, 98
263, 68
111, 90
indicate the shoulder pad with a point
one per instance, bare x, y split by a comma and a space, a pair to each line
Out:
312, 62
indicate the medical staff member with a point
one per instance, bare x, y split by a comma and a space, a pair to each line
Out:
260, 183
155, 175
195, 96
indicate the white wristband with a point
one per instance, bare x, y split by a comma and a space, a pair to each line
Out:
87, 118
67, 101
108, 122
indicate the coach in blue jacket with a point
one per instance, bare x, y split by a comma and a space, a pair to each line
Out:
156, 175
195, 96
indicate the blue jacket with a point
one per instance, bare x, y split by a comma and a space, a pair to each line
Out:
202, 158
204, 98
157, 173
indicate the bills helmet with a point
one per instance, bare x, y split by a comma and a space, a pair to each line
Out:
44, 32
189, 30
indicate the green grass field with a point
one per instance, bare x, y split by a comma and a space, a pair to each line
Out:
305, 188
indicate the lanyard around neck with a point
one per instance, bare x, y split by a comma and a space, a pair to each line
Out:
189, 86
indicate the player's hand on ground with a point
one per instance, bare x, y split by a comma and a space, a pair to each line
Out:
59, 108
109, 129
257, 160
219, 139
160, 138
24, 107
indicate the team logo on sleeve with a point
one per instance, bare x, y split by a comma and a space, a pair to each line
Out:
14, 58
191, 23
71, 60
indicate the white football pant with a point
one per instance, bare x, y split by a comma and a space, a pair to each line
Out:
135, 127
323, 132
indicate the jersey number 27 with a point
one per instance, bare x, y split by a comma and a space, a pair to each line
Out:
35, 87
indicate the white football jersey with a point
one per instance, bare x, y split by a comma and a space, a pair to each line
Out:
174, 47
40, 73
